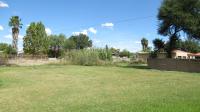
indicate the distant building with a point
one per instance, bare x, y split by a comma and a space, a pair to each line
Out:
194, 55
178, 54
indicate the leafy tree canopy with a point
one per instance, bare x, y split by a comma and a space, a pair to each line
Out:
36, 40
159, 44
81, 41
179, 15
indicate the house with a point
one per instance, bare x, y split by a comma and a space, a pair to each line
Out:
194, 56
178, 54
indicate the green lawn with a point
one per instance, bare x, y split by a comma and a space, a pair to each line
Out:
59, 88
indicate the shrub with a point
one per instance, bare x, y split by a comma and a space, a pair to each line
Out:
87, 57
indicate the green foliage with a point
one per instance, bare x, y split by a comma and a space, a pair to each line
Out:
3, 47
81, 41
173, 44
179, 15
7, 49
125, 53
191, 45
104, 54
69, 44
57, 40
159, 45
56, 43
144, 43
11, 51
36, 40
15, 22
83, 57
88, 57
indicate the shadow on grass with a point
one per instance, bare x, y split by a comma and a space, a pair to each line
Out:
136, 66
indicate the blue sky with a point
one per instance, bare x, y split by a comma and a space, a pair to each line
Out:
118, 23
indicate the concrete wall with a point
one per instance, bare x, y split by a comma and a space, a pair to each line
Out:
142, 57
3, 61
175, 65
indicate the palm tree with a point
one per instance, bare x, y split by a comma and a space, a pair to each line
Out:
15, 23
144, 43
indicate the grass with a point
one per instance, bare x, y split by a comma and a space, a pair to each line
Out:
60, 88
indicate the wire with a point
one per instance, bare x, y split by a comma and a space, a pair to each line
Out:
114, 22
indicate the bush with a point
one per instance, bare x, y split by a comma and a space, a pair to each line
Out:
88, 57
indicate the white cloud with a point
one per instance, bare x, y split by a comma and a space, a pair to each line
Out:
108, 25
3, 5
137, 42
27, 25
97, 41
48, 31
92, 30
86, 31
1, 28
9, 36
20, 36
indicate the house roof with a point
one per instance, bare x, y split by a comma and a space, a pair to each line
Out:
176, 51
194, 54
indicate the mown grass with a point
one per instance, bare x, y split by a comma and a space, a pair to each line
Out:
60, 88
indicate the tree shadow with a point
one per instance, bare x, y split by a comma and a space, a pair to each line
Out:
137, 66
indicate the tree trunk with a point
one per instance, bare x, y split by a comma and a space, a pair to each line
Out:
15, 33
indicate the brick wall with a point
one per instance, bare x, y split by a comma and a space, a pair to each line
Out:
175, 65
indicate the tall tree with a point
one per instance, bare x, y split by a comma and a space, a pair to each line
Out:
36, 40
144, 43
179, 15
82, 41
15, 23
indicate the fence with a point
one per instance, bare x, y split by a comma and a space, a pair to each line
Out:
175, 65
23, 59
